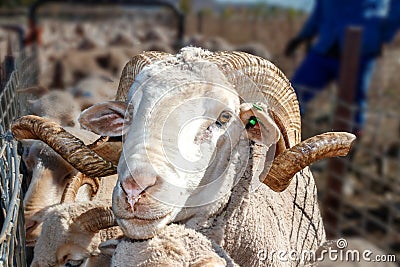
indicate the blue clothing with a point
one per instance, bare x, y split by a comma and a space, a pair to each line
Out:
317, 71
380, 19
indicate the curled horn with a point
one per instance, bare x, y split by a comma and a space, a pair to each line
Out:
276, 92
96, 219
292, 160
72, 149
270, 84
76, 182
109, 148
132, 68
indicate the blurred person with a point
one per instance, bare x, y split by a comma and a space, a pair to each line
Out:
34, 34
379, 19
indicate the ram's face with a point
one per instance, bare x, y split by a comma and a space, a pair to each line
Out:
50, 175
62, 242
181, 129
171, 143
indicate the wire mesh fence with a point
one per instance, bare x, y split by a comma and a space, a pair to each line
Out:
369, 191
12, 244
12, 237
20, 70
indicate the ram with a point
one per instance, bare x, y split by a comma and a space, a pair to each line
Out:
189, 124
54, 179
50, 173
72, 233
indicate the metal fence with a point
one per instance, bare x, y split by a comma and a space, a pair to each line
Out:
23, 73
367, 194
12, 243
360, 194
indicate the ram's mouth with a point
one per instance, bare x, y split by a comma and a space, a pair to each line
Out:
143, 228
138, 218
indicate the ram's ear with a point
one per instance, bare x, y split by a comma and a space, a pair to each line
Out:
108, 247
110, 118
259, 125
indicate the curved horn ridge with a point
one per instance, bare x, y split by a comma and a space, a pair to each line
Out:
96, 219
292, 160
108, 148
275, 87
76, 182
132, 68
71, 148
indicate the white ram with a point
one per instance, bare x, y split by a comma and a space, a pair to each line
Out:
72, 233
188, 123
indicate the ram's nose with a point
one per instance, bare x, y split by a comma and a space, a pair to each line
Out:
134, 189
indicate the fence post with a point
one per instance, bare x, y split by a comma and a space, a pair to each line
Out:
9, 62
343, 121
200, 19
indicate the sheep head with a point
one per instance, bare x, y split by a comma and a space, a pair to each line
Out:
187, 122
49, 176
54, 178
72, 232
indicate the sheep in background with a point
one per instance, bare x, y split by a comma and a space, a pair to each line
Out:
124, 39
220, 44
213, 43
59, 106
92, 90
256, 49
52, 174
72, 233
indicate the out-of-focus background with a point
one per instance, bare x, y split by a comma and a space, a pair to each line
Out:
80, 49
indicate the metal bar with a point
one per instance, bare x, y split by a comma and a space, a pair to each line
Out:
343, 115
12, 203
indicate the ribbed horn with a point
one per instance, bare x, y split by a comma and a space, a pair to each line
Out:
109, 148
292, 160
249, 73
72, 149
252, 74
96, 219
76, 182
132, 68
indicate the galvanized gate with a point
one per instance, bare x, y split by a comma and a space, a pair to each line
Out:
19, 69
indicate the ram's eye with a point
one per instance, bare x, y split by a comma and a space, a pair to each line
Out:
223, 118
73, 263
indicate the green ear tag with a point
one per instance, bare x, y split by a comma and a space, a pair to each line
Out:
252, 122
258, 107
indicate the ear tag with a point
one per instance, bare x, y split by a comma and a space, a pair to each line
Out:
257, 107
253, 121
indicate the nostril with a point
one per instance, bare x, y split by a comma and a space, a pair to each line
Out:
133, 192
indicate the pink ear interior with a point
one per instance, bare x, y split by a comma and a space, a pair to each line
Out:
107, 118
